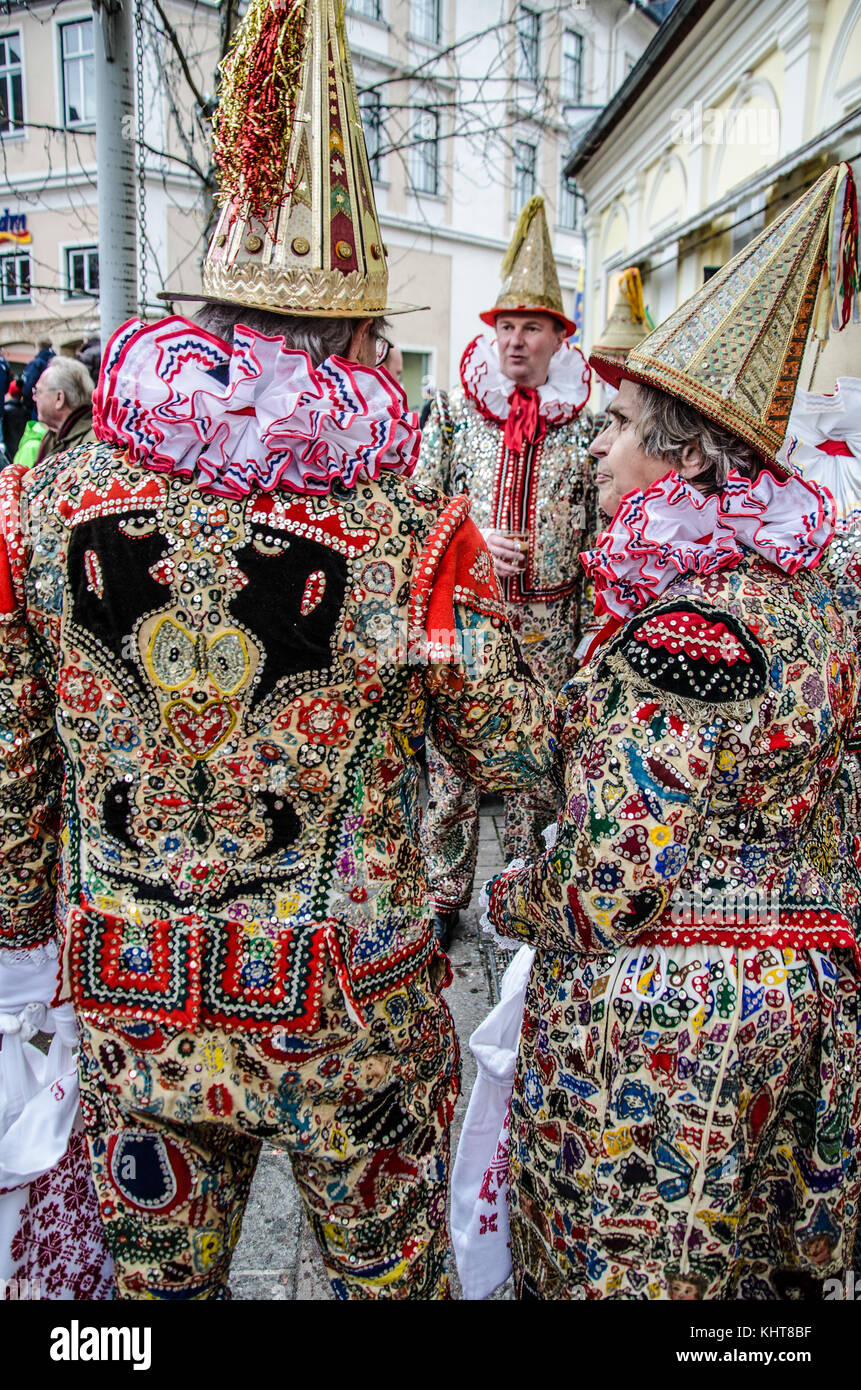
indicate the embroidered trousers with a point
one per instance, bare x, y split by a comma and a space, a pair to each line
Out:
450, 832
175, 1128
683, 1125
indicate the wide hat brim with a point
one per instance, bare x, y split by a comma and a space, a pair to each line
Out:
491, 315
398, 307
614, 373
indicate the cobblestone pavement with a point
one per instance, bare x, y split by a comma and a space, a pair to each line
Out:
277, 1258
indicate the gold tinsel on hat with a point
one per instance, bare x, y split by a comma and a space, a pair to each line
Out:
257, 105
626, 326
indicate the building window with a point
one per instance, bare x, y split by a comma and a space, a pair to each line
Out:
569, 201
82, 272
524, 174
527, 64
425, 20
79, 73
368, 9
571, 81
424, 160
11, 85
14, 279
371, 109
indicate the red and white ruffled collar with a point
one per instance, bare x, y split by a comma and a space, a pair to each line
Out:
823, 442
672, 529
560, 399
277, 422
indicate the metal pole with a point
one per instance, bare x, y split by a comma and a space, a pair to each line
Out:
115, 155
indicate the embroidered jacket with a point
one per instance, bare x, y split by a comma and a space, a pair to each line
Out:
701, 746
219, 700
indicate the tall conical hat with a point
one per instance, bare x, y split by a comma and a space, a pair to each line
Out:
298, 231
529, 279
733, 350
626, 326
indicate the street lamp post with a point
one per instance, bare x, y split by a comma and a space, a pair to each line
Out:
115, 157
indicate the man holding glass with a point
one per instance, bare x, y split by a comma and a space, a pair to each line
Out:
514, 438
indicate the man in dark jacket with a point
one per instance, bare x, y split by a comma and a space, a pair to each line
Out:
64, 402
33, 370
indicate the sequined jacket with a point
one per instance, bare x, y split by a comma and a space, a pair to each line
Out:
211, 711
547, 490
701, 746
841, 566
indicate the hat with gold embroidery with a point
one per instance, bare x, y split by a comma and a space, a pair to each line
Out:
733, 350
626, 327
298, 231
530, 283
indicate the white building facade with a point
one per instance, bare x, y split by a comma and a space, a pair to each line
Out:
468, 110
737, 107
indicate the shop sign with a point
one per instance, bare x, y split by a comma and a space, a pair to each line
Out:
13, 228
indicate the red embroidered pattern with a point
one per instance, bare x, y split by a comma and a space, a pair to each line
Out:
59, 1246
802, 929
695, 636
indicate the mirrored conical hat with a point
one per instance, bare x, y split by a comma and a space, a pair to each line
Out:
734, 349
626, 327
298, 231
529, 277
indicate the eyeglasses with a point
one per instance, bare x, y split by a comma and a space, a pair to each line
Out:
383, 348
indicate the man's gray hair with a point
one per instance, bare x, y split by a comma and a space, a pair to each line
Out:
70, 376
667, 424
320, 338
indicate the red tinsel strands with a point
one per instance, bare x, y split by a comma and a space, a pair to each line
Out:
253, 124
847, 253
837, 303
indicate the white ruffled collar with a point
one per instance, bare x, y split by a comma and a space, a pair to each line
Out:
560, 399
275, 422
823, 441
672, 529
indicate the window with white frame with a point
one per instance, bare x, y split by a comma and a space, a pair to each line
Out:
571, 77
570, 201
78, 59
15, 279
368, 9
371, 109
11, 85
523, 186
82, 272
527, 24
424, 155
425, 20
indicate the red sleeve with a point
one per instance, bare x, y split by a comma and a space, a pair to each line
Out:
455, 568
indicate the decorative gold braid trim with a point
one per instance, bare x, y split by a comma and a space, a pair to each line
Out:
326, 291
548, 301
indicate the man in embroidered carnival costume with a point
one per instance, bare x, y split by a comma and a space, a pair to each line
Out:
513, 438
685, 1114
238, 615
